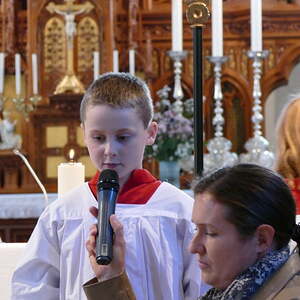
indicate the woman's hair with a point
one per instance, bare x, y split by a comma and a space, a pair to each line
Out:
288, 141
253, 196
119, 90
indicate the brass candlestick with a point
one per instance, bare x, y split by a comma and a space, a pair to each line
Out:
197, 15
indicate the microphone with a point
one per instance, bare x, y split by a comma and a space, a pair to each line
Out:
107, 189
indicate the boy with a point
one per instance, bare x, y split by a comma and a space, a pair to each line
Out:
116, 115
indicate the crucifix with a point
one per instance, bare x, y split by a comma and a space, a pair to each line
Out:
70, 83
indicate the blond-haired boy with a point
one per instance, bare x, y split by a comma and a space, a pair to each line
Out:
116, 114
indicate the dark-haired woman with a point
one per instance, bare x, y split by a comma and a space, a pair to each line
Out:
245, 218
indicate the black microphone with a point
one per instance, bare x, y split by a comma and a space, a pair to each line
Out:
107, 189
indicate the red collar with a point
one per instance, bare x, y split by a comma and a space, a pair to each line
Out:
138, 189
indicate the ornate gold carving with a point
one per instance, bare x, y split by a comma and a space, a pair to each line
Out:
54, 46
155, 62
232, 59
167, 63
270, 59
244, 63
207, 64
197, 12
87, 43
9, 26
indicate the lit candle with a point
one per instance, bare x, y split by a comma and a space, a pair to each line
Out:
96, 64
18, 73
2, 72
217, 27
132, 61
34, 74
256, 25
177, 25
116, 61
69, 175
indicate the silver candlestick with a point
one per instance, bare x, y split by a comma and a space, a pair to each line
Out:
219, 147
257, 146
177, 57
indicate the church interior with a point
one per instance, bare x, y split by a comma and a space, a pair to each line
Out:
52, 50
225, 68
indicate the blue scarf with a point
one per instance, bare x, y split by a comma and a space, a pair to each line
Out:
249, 281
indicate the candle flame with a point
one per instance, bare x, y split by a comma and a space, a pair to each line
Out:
71, 154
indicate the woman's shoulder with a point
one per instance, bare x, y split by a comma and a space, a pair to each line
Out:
291, 291
285, 284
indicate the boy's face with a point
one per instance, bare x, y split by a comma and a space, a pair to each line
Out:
116, 139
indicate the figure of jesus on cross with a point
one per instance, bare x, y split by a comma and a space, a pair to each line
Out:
70, 10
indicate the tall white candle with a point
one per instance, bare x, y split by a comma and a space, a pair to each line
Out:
34, 74
116, 61
132, 61
177, 25
69, 175
96, 64
2, 72
256, 25
217, 27
18, 73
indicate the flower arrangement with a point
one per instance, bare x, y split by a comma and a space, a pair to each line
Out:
175, 134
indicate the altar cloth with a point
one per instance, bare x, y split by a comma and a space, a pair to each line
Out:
28, 206
23, 206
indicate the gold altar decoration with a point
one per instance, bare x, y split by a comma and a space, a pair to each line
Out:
54, 46
197, 12
88, 37
70, 83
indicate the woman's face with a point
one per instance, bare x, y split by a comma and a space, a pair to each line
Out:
222, 253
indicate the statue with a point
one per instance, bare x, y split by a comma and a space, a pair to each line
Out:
69, 11
70, 83
8, 138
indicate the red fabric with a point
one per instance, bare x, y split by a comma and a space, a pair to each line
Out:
138, 189
294, 185
296, 194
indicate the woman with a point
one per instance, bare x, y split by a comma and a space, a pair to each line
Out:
288, 147
245, 218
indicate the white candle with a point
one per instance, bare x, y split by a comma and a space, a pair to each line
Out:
116, 61
34, 74
177, 25
132, 61
96, 64
256, 25
2, 72
69, 175
18, 73
217, 27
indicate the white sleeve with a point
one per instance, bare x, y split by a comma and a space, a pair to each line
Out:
192, 283
37, 275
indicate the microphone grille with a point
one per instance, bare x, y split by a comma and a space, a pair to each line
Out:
108, 179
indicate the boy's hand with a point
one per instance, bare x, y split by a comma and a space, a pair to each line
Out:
117, 265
